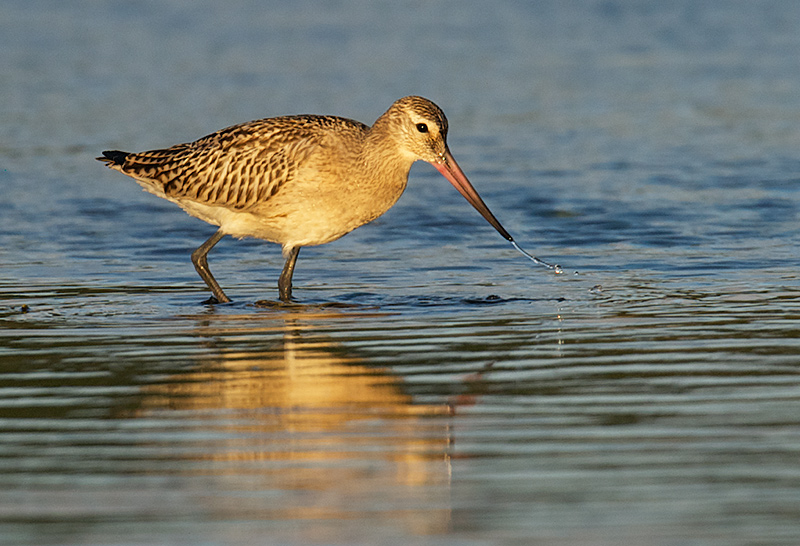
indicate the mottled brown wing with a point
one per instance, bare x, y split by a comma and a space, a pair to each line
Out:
237, 167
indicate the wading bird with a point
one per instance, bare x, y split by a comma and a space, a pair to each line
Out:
299, 180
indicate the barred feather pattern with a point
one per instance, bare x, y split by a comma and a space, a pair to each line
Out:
240, 166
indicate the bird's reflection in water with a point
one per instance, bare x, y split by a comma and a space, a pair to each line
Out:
280, 411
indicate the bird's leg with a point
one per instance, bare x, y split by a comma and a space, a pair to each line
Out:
201, 265
285, 281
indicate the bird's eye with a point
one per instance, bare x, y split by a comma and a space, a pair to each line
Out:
422, 128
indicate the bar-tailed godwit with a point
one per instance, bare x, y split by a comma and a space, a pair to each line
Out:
299, 180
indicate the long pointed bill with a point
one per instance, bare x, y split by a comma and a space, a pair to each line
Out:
453, 173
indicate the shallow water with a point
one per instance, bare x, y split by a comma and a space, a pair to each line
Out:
433, 386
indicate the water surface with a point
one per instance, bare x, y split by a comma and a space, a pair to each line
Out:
433, 386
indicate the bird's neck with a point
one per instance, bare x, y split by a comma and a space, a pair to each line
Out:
383, 170
385, 160
383, 151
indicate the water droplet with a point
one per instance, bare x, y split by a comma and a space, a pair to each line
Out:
556, 268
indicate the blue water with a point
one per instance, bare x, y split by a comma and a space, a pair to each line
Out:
433, 386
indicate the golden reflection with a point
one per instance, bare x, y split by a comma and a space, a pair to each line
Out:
289, 409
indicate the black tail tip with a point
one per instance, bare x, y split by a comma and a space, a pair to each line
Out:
115, 157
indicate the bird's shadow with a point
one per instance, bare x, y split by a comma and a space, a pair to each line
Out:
301, 306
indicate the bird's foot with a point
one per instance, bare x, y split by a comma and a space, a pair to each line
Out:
280, 304
214, 301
